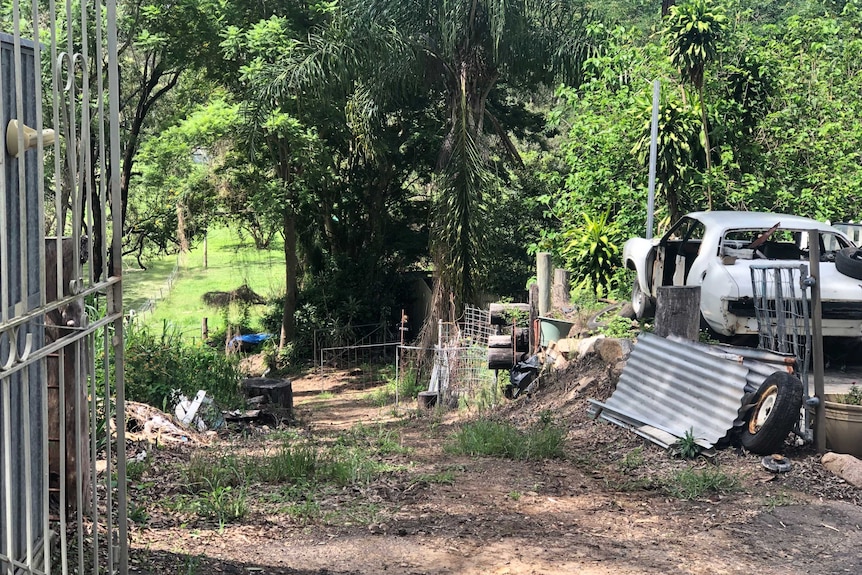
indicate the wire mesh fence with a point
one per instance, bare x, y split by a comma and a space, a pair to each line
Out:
363, 366
455, 369
781, 306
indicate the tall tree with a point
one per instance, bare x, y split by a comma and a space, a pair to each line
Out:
456, 55
693, 31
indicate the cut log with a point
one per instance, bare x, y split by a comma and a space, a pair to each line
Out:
500, 358
502, 313
277, 391
678, 312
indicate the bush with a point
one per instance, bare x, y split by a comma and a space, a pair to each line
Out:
161, 367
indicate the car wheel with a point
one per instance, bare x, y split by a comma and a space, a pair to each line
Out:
602, 317
775, 413
641, 302
849, 262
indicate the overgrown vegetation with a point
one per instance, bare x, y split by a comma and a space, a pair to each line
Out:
692, 483
161, 366
544, 440
218, 486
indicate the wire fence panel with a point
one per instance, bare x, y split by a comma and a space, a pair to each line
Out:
360, 363
781, 306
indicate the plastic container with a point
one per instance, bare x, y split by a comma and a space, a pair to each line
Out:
843, 427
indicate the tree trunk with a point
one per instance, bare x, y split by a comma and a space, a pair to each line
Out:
288, 321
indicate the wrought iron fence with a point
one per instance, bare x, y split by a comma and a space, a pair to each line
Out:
62, 465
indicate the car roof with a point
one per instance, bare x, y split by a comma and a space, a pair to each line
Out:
728, 220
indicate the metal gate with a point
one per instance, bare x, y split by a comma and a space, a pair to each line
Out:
62, 441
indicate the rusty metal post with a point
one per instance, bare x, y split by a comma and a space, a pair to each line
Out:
817, 341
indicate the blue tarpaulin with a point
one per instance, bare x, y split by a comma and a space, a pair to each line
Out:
250, 339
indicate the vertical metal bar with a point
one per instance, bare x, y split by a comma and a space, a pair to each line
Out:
22, 167
61, 468
781, 322
79, 491
7, 471
43, 504
4, 225
93, 431
116, 302
56, 64
817, 340
806, 389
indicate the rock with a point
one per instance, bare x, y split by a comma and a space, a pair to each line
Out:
568, 345
845, 466
613, 350
555, 358
588, 345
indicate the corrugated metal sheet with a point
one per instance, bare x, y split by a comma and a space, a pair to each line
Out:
676, 387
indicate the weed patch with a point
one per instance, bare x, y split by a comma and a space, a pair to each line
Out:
693, 483
501, 439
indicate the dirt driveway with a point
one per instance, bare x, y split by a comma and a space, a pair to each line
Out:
608, 507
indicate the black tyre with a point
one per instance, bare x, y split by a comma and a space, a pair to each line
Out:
601, 318
849, 262
775, 413
642, 302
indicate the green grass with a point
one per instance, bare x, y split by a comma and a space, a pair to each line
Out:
230, 263
502, 439
693, 483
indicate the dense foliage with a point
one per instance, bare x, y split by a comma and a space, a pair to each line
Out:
161, 367
378, 140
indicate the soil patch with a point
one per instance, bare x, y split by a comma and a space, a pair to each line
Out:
607, 507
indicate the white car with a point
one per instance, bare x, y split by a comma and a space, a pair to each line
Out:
715, 250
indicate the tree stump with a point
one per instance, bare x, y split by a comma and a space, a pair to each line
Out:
678, 312
560, 296
277, 391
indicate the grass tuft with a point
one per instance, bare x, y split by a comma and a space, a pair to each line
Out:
693, 483
544, 440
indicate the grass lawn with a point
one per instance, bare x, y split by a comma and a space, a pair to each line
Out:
230, 264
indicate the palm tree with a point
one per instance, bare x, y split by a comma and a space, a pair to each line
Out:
454, 55
693, 30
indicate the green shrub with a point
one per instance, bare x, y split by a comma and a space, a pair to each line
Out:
161, 367
591, 254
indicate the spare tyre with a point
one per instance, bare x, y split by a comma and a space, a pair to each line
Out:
848, 261
775, 413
